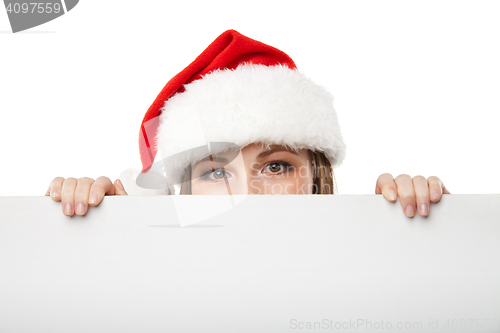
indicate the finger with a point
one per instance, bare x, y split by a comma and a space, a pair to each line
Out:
119, 189
445, 191
55, 188
422, 195
387, 187
101, 187
406, 194
82, 195
436, 188
48, 192
67, 196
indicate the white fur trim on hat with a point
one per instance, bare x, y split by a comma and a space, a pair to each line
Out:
252, 103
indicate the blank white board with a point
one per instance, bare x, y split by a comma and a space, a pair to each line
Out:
262, 263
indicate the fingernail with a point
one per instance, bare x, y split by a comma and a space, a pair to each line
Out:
120, 185
93, 199
435, 195
80, 209
409, 210
67, 209
55, 194
392, 195
423, 209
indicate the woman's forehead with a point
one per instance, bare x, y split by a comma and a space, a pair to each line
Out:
257, 150
257, 146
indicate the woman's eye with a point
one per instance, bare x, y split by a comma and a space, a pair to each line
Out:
276, 167
216, 174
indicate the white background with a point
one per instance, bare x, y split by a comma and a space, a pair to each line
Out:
416, 83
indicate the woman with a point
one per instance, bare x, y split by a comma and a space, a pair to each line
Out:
241, 119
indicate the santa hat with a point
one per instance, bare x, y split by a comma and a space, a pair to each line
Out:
238, 91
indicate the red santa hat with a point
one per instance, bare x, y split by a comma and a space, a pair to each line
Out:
237, 91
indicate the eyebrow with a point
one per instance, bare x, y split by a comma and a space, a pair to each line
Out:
274, 150
214, 158
259, 157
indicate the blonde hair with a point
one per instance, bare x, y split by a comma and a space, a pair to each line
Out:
324, 181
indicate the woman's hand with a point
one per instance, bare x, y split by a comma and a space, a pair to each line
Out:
416, 192
77, 194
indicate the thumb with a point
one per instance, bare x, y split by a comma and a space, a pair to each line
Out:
119, 189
